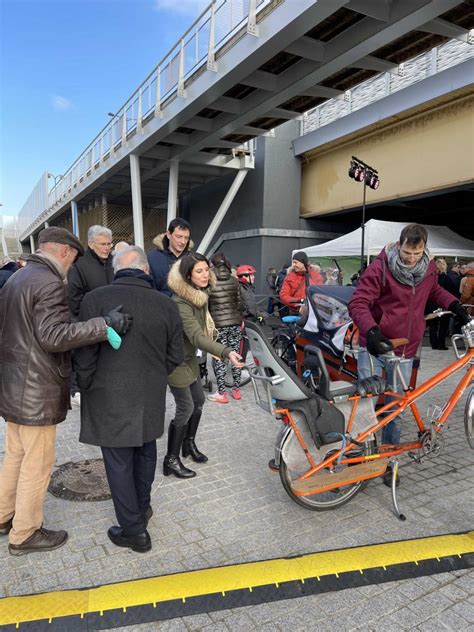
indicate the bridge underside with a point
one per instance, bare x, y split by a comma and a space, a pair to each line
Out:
301, 56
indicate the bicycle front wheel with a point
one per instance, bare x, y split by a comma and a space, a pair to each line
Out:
469, 419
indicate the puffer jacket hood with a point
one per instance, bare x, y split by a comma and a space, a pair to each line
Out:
160, 260
179, 286
162, 243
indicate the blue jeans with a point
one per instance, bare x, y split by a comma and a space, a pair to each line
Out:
392, 431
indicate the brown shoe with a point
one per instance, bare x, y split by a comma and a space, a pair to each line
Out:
5, 527
41, 540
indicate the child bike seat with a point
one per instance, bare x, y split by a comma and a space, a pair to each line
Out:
314, 360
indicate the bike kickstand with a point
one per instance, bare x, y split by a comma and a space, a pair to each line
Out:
399, 515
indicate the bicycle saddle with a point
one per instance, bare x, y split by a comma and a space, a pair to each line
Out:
290, 319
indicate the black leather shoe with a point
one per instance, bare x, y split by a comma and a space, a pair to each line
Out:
147, 516
173, 465
41, 540
140, 543
5, 527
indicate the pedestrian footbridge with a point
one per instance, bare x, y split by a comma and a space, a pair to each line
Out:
242, 69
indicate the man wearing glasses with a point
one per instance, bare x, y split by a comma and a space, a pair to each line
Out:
92, 270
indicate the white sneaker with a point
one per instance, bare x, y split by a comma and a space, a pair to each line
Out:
76, 399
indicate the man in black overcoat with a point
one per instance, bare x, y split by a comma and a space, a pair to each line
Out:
123, 391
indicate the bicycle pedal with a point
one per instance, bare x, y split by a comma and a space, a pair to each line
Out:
414, 457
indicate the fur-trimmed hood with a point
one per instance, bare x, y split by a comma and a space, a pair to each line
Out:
190, 294
162, 243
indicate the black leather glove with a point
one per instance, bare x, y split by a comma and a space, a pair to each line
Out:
376, 343
118, 321
459, 311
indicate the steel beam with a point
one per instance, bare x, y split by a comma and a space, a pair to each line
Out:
172, 191
74, 219
136, 201
222, 210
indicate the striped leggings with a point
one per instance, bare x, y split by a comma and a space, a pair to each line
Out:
230, 337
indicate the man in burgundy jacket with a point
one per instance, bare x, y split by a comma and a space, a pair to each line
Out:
389, 303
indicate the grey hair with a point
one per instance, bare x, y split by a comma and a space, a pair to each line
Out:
130, 257
96, 230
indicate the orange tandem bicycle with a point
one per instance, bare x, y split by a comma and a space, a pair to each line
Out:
326, 451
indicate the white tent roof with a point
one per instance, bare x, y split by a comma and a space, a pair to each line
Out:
442, 241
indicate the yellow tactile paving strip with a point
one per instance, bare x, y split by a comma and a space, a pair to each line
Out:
16, 610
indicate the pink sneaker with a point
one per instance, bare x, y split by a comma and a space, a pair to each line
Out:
219, 398
236, 393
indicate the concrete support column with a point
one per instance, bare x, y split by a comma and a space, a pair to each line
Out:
172, 191
136, 200
32, 243
46, 224
75, 221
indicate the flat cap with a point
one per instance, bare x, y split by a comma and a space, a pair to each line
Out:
60, 236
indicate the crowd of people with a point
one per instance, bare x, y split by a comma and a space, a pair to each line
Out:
169, 308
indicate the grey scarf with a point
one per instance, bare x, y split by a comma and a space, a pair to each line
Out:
408, 275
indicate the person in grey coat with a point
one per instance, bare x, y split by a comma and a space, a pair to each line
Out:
123, 392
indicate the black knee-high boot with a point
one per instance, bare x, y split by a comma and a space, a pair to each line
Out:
172, 463
189, 445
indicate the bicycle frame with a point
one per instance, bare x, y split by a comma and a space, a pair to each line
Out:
394, 408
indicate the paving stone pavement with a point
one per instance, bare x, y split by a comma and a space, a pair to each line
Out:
236, 510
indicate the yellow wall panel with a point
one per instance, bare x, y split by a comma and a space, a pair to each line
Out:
425, 152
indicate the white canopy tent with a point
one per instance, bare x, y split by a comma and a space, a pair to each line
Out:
442, 241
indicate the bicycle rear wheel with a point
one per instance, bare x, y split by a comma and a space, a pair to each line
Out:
469, 419
327, 500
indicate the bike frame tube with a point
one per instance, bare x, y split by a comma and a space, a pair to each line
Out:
404, 401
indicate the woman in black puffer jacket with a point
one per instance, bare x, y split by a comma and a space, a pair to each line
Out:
224, 306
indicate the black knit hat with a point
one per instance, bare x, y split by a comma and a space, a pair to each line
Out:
60, 236
300, 256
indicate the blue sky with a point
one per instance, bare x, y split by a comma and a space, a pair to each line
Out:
63, 65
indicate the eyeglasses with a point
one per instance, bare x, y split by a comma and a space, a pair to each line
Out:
105, 244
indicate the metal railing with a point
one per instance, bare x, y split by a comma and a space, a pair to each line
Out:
212, 30
384, 84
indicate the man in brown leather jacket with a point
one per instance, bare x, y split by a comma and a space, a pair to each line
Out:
36, 335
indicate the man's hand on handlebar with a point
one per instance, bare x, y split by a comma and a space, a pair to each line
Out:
377, 344
459, 311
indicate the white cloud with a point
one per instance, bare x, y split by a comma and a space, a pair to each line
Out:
61, 103
183, 7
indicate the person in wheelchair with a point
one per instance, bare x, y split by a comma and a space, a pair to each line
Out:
389, 303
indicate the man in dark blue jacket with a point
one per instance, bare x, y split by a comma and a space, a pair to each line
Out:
170, 247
